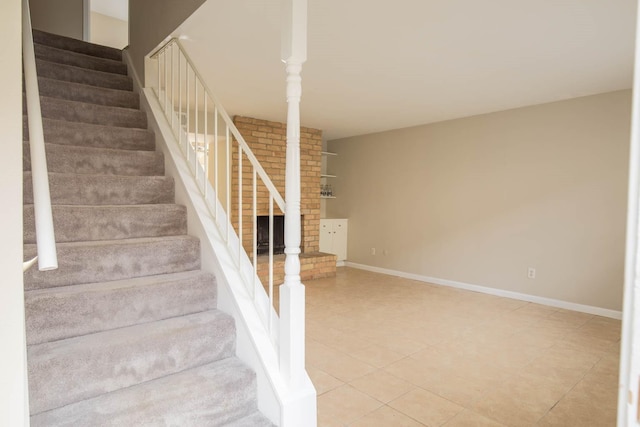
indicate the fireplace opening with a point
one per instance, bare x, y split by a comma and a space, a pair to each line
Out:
263, 234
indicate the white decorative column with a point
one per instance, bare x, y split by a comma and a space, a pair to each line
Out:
292, 295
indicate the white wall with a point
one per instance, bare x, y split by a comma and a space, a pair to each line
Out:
480, 199
12, 369
108, 31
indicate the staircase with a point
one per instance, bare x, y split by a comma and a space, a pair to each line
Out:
126, 331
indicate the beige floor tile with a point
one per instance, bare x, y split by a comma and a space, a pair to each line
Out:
521, 401
344, 405
468, 418
322, 381
583, 342
377, 355
539, 336
395, 342
507, 362
426, 407
424, 334
607, 368
382, 386
413, 371
344, 367
317, 353
386, 417
460, 380
573, 318
602, 328
344, 341
514, 320
504, 355
535, 311
510, 357
471, 368
488, 334
560, 366
589, 404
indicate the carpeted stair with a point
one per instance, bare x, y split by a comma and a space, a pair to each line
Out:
126, 331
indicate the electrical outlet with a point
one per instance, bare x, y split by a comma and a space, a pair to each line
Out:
531, 273
373, 251
386, 252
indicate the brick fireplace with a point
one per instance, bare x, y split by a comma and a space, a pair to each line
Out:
267, 140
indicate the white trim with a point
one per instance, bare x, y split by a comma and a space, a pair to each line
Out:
628, 388
341, 263
599, 311
86, 20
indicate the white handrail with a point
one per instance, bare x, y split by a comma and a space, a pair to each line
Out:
45, 236
232, 127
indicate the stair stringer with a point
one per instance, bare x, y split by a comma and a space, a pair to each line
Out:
283, 407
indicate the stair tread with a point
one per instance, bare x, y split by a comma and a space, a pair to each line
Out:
63, 132
75, 149
74, 223
83, 92
62, 56
98, 161
72, 73
211, 395
68, 188
68, 311
103, 260
125, 356
134, 241
103, 207
68, 43
85, 112
117, 284
255, 419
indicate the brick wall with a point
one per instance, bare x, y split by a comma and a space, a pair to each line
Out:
267, 141
316, 266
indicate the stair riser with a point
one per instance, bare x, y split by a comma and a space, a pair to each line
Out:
66, 57
72, 311
70, 73
124, 357
91, 223
213, 395
67, 189
81, 160
114, 260
87, 135
85, 93
74, 45
60, 109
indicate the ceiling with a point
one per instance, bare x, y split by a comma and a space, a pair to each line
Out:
375, 66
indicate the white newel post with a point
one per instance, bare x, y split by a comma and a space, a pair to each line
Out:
292, 294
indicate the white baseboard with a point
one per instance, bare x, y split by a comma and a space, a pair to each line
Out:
599, 311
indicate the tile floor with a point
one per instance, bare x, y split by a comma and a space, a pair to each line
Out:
386, 351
